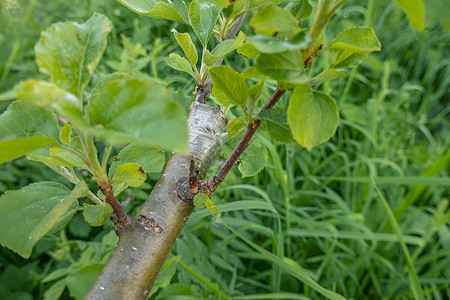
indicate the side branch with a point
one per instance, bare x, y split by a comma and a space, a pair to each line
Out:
209, 186
121, 218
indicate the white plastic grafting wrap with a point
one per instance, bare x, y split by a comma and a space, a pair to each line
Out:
207, 127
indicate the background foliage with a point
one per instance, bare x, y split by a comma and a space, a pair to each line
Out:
326, 212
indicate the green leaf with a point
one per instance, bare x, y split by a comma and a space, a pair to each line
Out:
43, 204
67, 158
248, 50
313, 117
274, 19
200, 200
166, 274
436, 11
271, 45
351, 46
286, 66
415, 11
254, 159
97, 215
211, 207
131, 110
49, 95
326, 75
149, 158
55, 291
25, 128
228, 85
223, 49
251, 72
236, 126
179, 63
130, 173
203, 15
185, 42
81, 280
301, 9
69, 52
253, 94
175, 10
66, 134
275, 120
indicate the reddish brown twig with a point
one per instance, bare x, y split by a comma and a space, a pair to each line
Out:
120, 217
209, 186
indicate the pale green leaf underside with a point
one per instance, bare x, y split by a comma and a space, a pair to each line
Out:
248, 50
223, 49
189, 49
31, 212
271, 45
351, 47
179, 63
228, 85
132, 110
286, 66
149, 158
176, 10
313, 117
69, 52
357, 39
274, 19
326, 75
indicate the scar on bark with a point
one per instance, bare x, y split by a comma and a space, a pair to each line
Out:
150, 223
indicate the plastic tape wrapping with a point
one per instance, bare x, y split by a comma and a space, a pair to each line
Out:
207, 127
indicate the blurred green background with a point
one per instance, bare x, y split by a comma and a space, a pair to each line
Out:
314, 212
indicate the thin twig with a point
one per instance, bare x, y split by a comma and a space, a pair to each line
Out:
209, 186
122, 218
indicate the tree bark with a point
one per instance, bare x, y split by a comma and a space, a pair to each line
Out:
146, 241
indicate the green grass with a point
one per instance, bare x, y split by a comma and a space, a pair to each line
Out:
364, 216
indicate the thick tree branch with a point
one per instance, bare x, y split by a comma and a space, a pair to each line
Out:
209, 186
146, 241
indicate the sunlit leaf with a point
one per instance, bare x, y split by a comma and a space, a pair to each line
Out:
69, 52
203, 15
130, 173
25, 128
174, 10
274, 19
132, 110
40, 205
228, 85
185, 42
223, 49
313, 116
